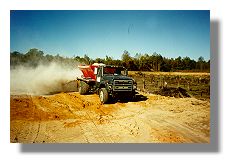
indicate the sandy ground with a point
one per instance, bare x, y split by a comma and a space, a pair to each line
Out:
74, 118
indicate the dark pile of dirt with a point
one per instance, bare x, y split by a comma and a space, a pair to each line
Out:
173, 92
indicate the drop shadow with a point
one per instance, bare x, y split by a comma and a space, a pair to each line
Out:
212, 147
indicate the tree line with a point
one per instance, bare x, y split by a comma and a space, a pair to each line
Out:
139, 62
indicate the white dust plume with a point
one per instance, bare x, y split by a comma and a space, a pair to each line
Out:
44, 79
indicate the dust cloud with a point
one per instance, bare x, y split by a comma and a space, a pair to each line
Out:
44, 79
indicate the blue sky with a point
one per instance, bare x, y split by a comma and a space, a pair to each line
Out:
100, 33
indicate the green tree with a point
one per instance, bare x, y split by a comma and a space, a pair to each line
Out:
126, 56
201, 62
108, 60
16, 58
33, 57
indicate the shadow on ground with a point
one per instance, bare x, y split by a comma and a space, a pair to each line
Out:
138, 98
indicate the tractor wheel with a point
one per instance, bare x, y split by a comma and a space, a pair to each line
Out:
83, 88
104, 96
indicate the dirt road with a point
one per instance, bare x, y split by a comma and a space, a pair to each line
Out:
75, 118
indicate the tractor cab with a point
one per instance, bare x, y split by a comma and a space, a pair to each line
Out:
108, 70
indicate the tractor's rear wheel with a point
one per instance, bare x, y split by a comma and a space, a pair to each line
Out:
104, 96
83, 88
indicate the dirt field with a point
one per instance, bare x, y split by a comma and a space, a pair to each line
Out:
196, 84
74, 118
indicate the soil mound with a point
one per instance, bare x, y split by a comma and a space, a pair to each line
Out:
173, 92
56, 107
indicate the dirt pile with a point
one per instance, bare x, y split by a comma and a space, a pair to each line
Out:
55, 107
173, 92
